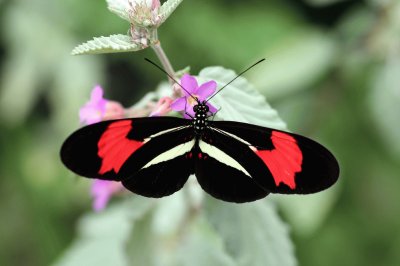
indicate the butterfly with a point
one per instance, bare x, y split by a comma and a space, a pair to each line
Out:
232, 161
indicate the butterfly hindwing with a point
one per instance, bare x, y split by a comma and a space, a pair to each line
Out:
290, 163
140, 152
224, 171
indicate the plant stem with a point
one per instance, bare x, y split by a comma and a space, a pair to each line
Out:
164, 60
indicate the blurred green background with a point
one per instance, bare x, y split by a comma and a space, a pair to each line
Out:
332, 72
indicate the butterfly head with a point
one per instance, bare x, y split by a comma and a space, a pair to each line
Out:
201, 108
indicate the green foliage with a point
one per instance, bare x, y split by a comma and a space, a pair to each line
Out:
167, 8
203, 246
253, 234
119, 7
124, 43
102, 237
240, 101
112, 44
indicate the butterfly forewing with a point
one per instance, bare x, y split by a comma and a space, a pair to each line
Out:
130, 149
280, 162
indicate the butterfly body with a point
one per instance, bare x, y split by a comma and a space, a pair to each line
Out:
232, 161
200, 119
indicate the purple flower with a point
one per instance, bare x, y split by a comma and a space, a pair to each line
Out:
94, 110
98, 108
201, 92
102, 191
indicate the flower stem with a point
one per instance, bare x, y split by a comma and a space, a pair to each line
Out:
164, 60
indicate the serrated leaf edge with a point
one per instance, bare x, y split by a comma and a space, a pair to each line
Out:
111, 44
117, 8
168, 8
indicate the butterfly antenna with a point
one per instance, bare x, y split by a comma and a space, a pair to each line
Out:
241, 73
166, 73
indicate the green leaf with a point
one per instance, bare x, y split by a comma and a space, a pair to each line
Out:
112, 44
240, 101
167, 8
202, 246
102, 237
142, 242
155, 233
252, 233
119, 7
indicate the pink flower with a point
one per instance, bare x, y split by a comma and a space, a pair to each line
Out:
102, 191
201, 92
94, 110
114, 110
162, 107
98, 108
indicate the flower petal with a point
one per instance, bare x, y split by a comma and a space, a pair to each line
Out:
89, 115
163, 107
94, 110
206, 90
97, 94
179, 104
102, 191
113, 110
189, 83
100, 202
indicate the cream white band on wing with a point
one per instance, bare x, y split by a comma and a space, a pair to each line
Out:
172, 153
164, 132
235, 137
221, 156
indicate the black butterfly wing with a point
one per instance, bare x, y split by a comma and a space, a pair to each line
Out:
280, 162
147, 154
219, 170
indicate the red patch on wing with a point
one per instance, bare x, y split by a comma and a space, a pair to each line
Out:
114, 148
285, 160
